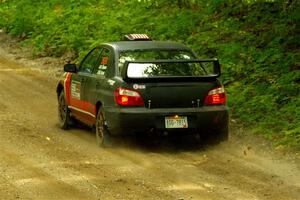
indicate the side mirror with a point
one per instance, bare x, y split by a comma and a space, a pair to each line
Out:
70, 68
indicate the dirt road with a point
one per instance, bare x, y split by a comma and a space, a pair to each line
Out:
40, 161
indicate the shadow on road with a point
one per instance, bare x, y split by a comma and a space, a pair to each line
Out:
160, 144
172, 143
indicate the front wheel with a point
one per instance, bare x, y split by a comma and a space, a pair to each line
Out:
102, 134
64, 117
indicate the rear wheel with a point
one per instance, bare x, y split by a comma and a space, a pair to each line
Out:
102, 134
63, 112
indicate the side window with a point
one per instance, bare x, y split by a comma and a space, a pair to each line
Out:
103, 65
89, 62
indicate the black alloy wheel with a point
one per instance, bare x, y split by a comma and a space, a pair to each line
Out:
102, 134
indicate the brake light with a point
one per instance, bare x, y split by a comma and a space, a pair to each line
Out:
215, 96
127, 97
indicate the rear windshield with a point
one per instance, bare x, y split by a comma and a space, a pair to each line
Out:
153, 55
172, 68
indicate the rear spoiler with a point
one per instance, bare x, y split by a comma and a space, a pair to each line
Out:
216, 71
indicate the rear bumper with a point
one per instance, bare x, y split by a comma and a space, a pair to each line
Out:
132, 120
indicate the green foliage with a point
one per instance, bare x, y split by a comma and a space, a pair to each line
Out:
257, 42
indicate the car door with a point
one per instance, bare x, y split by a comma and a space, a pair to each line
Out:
97, 88
81, 108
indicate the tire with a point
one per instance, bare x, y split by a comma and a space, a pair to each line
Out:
64, 117
102, 134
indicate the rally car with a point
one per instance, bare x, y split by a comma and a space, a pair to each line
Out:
140, 85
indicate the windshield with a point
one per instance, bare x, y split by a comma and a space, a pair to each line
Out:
153, 55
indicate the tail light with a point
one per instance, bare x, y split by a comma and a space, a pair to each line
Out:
127, 97
216, 96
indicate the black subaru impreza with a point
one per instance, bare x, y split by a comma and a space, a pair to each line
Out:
139, 85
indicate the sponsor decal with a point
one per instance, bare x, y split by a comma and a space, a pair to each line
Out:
75, 89
111, 82
104, 60
101, 69
139, 87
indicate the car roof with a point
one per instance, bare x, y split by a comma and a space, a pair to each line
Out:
144, 45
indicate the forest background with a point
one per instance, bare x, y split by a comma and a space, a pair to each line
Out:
256, 41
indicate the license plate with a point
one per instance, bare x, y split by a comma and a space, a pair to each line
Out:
176, 122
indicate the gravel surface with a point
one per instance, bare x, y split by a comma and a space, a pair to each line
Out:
38, 160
